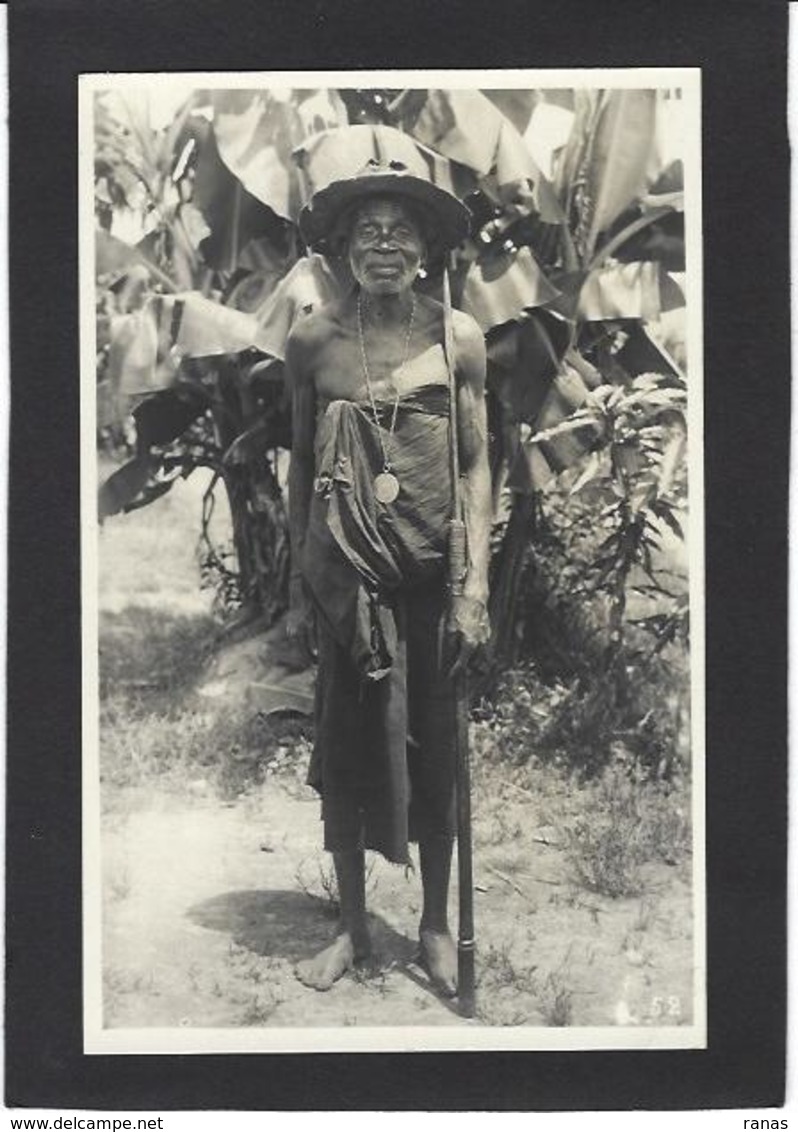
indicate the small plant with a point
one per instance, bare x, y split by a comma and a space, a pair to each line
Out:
372, 976
499, 969
260, 1008
628, 821
668, 836
555, 1000
120, 984
323, 888
646, 916
507, 988
604, 844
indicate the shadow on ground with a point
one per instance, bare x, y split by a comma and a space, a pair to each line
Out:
290, 925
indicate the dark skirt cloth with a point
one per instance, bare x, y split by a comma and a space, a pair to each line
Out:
384, 759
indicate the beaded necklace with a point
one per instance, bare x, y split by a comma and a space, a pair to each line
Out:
386, 485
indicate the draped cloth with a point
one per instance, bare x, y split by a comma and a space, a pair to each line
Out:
383, 756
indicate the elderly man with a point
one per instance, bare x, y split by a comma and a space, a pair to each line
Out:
370, 499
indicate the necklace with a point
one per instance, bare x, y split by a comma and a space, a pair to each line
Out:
386, 485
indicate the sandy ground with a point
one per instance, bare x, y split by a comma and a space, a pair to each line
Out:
208, 904
207, 907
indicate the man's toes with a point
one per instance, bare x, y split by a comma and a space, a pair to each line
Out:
307, 974
324, 969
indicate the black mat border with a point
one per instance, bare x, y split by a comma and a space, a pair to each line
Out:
742, 50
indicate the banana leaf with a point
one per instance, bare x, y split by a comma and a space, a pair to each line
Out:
463, 125
252, 289
176, 242
606, 163
320, 109
538, 461
236, 218
133, 358
158, 420
642, 353
661, 241
206, 328
621, 290
620, 156
469, 129
311, 282
123, 485
256, 135
147, 345
112, 256
669, 181
516, 105
547, 133
521, 183
498, 287
524, 358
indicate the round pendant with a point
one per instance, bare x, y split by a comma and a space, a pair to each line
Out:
386, 487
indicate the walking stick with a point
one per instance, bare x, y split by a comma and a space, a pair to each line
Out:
457, 570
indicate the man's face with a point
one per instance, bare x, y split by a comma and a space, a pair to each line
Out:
386, 246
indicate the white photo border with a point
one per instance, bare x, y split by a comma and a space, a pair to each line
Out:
469, 1036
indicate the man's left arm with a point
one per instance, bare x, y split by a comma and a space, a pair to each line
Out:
469, 615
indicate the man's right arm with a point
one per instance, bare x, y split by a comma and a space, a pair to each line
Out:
301, 470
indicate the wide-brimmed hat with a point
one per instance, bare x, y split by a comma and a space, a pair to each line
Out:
448, 219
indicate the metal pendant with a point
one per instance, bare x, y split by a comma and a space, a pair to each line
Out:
386, 487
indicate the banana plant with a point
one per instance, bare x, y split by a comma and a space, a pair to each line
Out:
174, 358
562, 271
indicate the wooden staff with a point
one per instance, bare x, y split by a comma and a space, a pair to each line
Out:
457, 561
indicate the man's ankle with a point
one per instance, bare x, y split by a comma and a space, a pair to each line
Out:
434, 925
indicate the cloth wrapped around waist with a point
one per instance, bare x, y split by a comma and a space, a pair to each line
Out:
357, 550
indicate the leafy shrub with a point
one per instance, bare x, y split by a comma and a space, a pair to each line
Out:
578, 724
606, 615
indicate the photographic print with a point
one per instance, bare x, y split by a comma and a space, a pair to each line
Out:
392, 561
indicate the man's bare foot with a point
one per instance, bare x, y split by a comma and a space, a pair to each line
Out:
329, 965
438, 956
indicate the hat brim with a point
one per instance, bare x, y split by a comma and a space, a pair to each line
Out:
449, 219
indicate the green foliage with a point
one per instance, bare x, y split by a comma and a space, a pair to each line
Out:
607, 609
188, 185
579, 724
556, 1000
633, 483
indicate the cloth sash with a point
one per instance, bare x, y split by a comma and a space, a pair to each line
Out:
359, 551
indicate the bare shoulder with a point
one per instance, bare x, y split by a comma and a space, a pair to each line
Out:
308, 332
308, 337
466, 330
467, 334
469, 348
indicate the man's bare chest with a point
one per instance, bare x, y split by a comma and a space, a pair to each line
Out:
341, 372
